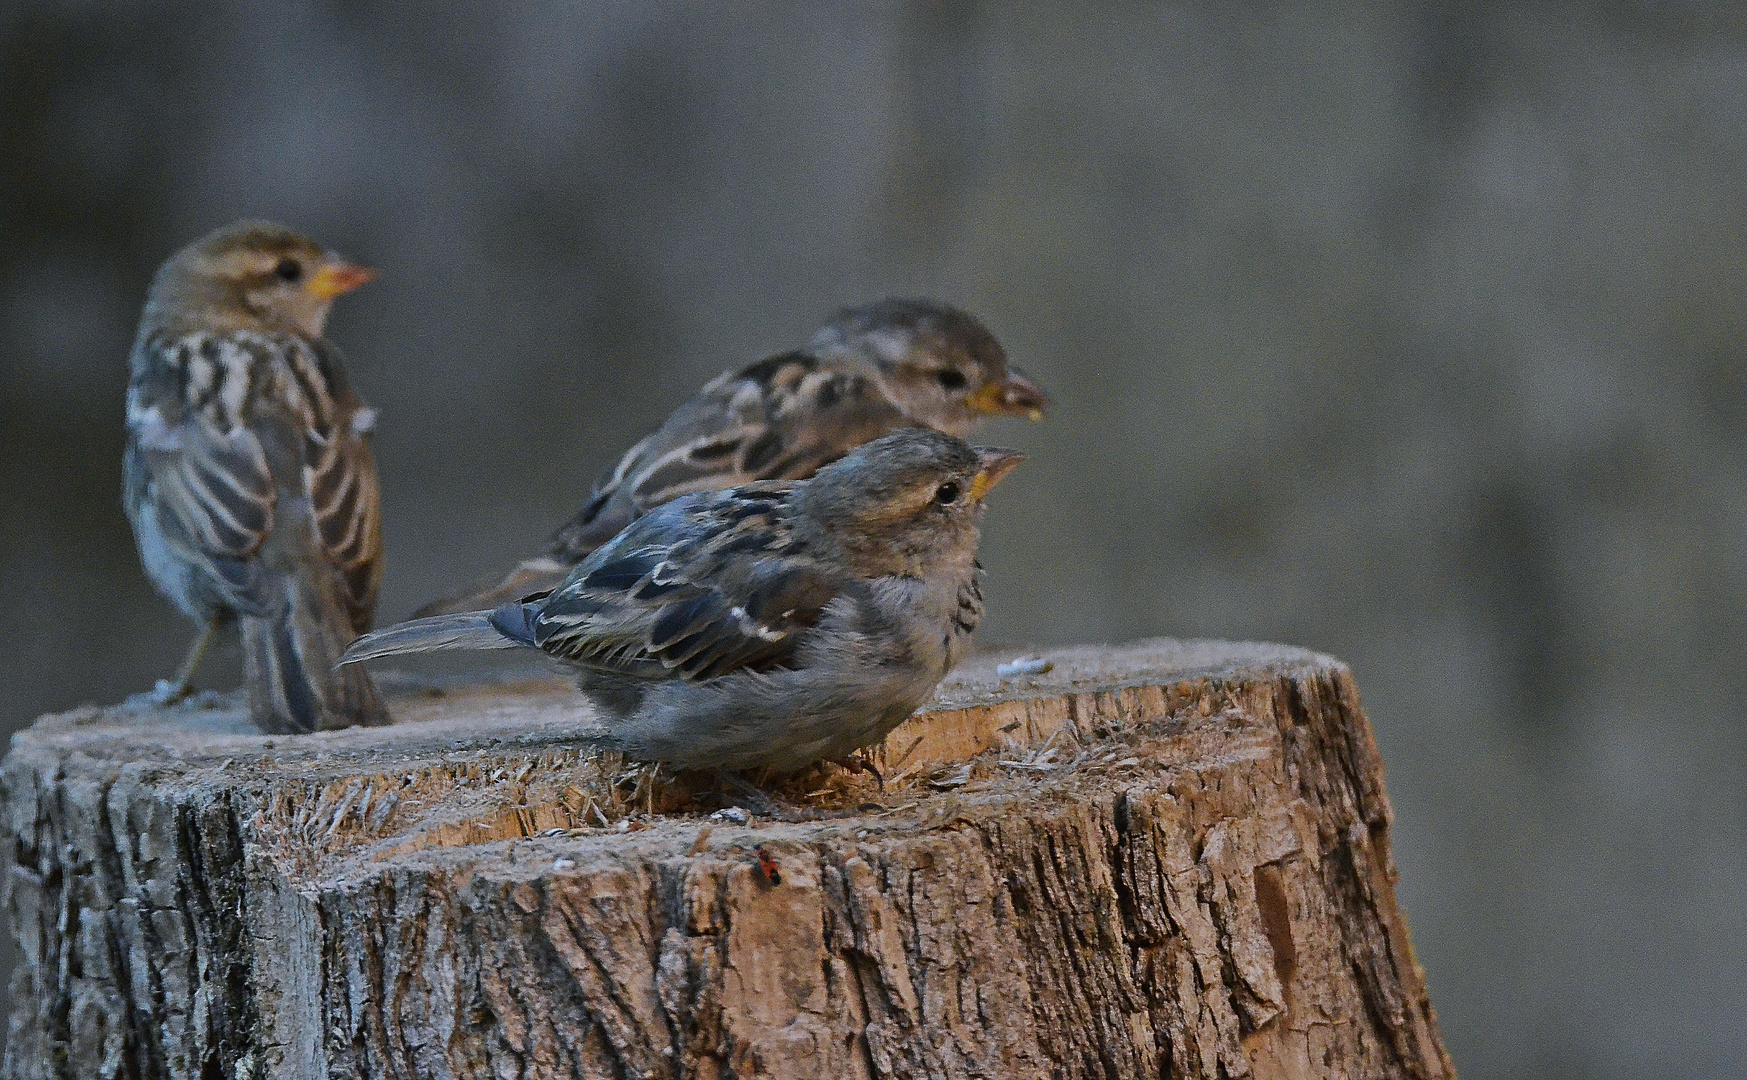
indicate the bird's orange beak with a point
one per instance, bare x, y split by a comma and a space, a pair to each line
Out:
338, 278
994, 464
1016, 395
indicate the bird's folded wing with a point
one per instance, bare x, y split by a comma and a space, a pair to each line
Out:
693, 592
215, 496
339, 473
782, 418
340, 478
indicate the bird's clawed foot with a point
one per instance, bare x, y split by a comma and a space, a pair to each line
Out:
166, 693
744, 792
858, 763
170, 692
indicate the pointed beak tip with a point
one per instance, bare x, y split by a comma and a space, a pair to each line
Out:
1021, 396
337, 279
994, 464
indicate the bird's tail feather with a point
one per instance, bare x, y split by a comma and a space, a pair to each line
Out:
289, 661
534, 575
466, 630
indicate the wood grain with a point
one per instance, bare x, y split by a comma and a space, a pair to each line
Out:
1162, 859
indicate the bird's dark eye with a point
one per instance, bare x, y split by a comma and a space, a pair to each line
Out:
951, 379
288, 270
947, 493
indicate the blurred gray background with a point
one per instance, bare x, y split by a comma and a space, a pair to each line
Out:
1411, 332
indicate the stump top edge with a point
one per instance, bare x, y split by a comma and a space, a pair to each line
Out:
448, 717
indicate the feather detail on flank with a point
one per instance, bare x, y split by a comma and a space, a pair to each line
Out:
468, 630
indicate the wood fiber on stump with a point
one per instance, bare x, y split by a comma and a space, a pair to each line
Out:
1169, 859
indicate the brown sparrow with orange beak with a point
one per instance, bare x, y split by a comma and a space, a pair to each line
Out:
248, 477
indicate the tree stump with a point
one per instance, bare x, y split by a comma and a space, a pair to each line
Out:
1169, 859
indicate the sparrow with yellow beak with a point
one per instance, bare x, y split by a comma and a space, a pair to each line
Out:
870, 371
248, 477
773, 624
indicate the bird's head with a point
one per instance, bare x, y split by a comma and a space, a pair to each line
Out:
906, 503
252, 276
941, 365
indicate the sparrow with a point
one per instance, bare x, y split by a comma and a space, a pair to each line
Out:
248, 477
769, 625
871, 370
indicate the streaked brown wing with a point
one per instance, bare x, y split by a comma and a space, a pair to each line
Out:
210, 481
339, 475
782, 418
809, 417
343, 491
217, 489
698, 588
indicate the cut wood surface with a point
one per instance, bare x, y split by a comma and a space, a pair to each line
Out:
1167, 859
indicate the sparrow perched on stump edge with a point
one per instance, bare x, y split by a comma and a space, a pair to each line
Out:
870, 371
248, 477
769, 625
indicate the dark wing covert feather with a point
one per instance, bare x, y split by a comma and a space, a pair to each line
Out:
639, 606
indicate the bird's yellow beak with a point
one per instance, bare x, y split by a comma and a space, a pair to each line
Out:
1016, 395
337, 278
995, 463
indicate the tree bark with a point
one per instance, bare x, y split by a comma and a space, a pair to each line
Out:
1169, 859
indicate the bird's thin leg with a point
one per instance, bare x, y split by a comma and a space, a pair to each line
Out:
647, 774
168, 693
642, 777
